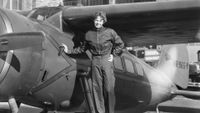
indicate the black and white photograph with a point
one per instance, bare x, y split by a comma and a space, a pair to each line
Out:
99, 56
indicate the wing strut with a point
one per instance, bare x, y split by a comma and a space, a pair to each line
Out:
13, 105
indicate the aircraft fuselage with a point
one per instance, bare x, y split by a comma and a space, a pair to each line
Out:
41, 77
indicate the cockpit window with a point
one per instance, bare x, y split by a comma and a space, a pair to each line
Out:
139, 69
118, 63
44, 12
129, 65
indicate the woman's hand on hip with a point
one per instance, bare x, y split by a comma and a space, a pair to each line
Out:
110, 58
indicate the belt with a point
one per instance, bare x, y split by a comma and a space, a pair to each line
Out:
100, 56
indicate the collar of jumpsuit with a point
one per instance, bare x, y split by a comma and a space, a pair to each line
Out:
100, 29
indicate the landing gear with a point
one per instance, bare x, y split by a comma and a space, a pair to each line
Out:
13, 105
87, 92
157, 109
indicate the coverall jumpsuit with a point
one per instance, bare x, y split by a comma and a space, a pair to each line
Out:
101, 43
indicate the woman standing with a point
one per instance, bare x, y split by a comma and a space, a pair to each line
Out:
103, 43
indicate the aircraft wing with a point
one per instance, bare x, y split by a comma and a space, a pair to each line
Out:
142, 23
183, 101
180, 104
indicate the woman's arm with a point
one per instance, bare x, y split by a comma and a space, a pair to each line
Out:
118, 44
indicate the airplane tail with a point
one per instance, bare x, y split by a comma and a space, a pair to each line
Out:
174, 63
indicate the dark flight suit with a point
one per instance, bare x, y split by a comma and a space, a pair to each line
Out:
101, 43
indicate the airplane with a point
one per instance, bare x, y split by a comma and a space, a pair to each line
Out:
35, 70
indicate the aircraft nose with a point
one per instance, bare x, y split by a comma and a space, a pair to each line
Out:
5, 27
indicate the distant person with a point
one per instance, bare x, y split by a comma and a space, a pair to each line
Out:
103, 43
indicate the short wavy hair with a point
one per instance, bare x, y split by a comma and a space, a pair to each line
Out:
101, 14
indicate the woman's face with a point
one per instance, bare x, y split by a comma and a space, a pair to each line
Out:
98, 22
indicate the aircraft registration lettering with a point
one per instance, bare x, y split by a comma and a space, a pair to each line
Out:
182, 64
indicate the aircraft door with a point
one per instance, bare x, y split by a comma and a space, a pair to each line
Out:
58, 75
